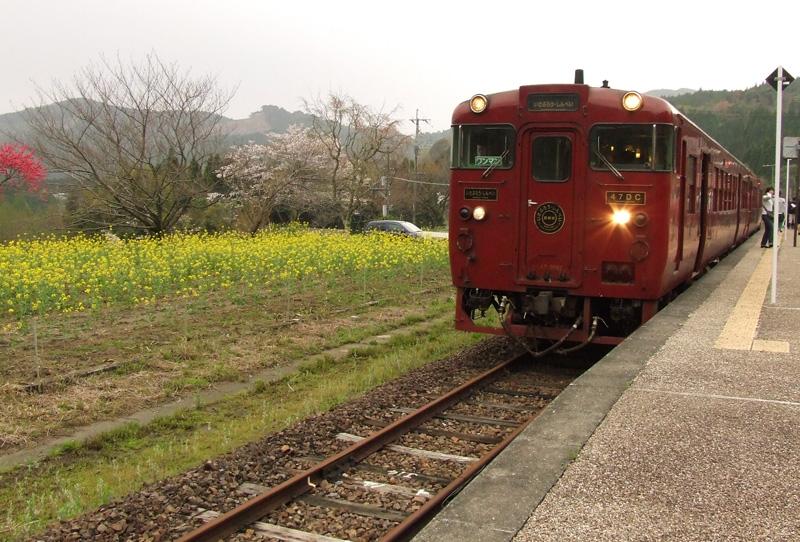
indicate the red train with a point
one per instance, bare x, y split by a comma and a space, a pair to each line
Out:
576, 212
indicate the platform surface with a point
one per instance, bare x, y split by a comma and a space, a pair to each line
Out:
689, 430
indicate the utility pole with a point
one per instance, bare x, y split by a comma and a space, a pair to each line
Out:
416, 120
385, 186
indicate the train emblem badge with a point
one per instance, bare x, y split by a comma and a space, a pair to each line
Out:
549, 218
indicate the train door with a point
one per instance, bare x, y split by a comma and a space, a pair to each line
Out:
550, 207
702, 230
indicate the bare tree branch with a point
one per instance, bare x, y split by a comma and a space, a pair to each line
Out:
133, 138
353, 136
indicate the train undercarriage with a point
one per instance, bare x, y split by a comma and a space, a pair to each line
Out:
552, 315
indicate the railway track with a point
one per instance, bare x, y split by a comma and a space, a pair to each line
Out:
393, 474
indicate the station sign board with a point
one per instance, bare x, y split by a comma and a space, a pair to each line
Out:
790, 145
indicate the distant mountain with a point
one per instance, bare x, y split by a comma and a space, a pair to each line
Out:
427, 139
11, 123
269, 118
669, 93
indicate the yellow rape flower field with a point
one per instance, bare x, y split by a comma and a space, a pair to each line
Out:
180, 313
80, 273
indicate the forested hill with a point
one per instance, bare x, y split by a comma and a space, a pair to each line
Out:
743, 121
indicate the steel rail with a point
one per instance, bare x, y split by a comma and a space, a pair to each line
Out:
259, 506
415, 521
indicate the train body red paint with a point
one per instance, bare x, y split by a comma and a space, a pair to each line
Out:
568, 210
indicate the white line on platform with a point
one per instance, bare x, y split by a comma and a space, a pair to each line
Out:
740, 330
714, 396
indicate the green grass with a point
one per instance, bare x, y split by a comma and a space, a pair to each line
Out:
82, 477
187, 345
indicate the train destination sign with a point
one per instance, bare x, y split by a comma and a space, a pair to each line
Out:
485, 194
553, 102
629, 198
484, 161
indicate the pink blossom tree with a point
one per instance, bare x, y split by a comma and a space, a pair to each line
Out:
20, 168
263, 176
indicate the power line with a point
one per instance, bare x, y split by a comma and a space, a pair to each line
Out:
418, 182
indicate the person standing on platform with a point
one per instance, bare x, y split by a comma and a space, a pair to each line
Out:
781, 212
767, 201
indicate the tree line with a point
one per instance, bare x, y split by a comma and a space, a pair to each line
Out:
142, 146
743, 121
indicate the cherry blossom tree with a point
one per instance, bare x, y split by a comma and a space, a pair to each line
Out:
280, 172
355, 138
20, 168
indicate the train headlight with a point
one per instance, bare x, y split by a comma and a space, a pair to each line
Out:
632, 101
464, 213
479, 213
621, 217
478, 103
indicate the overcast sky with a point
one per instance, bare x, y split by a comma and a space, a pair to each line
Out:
427, 55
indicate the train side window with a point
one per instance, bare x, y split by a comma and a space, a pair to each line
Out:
663, 145
739, 195
727, 191
552, 159
691, 182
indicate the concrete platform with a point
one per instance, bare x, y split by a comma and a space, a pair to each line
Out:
689, 430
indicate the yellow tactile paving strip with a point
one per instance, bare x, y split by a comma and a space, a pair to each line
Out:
740, 330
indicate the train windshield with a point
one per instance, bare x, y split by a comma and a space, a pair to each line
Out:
632, 147
483, 146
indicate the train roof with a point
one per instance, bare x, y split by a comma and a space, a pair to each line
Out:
598, 101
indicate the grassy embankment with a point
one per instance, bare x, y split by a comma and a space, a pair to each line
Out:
178, 344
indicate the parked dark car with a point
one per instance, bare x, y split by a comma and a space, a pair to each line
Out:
399, 227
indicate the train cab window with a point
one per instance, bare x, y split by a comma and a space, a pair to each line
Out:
632, 147
552, 159
482, 146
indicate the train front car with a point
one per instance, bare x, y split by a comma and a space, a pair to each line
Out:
560, 210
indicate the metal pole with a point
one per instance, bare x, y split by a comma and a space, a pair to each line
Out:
786, 197
384, 186
797, 199
777, 185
